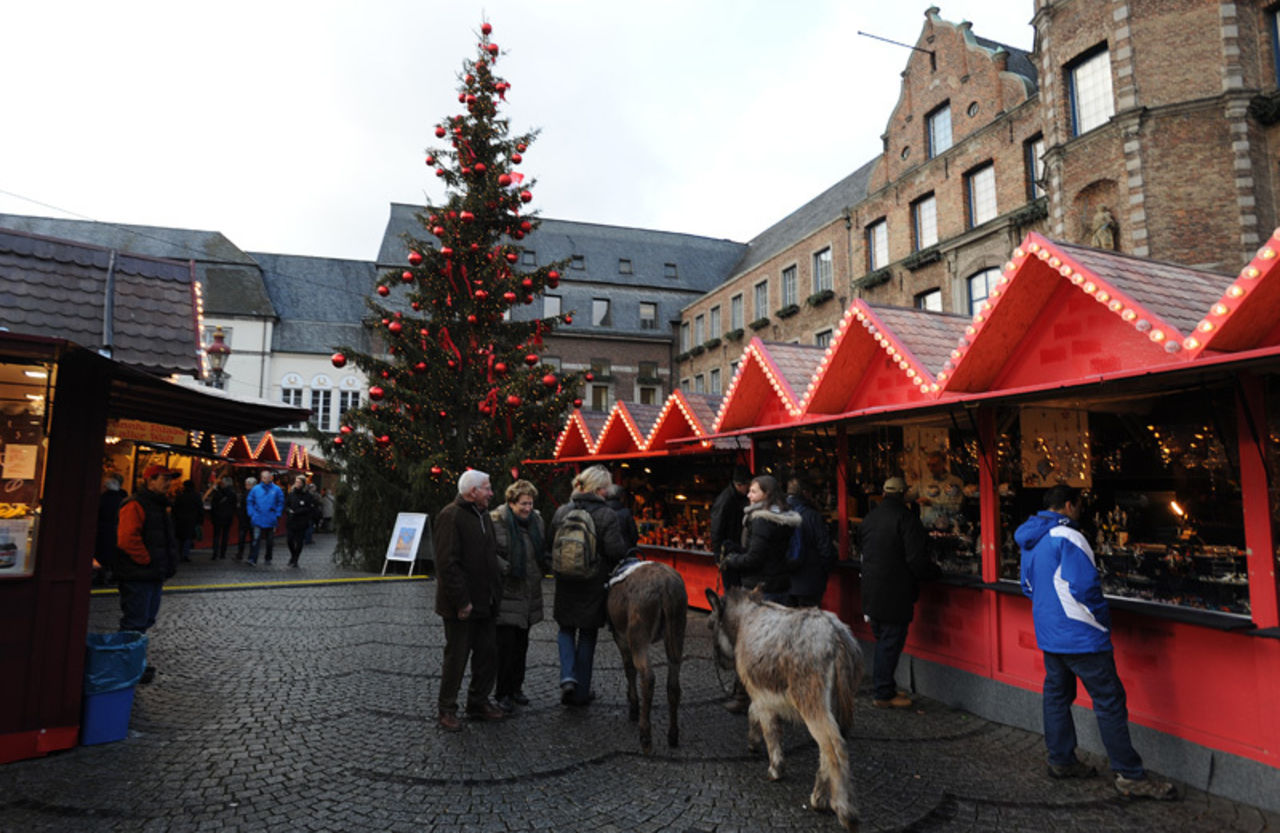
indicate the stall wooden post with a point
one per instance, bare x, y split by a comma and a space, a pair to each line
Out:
1251, 431
988, 495
842, 489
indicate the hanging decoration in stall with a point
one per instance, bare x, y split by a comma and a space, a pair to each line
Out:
1055, 448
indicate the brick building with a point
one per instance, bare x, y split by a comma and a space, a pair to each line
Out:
1143, 126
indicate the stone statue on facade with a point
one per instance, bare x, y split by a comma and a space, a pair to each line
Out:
1104, 228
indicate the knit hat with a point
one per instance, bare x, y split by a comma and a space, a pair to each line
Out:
895, 486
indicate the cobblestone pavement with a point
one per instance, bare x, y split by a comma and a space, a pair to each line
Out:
300, 707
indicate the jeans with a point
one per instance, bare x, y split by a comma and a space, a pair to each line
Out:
577, 654
184, 549
260, 533
890, 640
245, 530
1098, 673
475, 639
139, 604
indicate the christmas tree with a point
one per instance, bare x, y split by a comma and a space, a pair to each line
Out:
461, 384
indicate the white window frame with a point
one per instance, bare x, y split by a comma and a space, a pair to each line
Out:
1089, 86
684, 337
789, 286
699, 328
823, 278
939, 130
736, 312
713, 322
877, 245
699, 384
979, 285
321, 407
552, 305
648, 322
822, 338
930, 300
760, 294
715, 386
980, 188
924, 217
600, 312
1035, 167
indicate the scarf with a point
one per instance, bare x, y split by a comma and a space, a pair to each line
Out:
515, 542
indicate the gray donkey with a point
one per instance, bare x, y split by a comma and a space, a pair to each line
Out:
798, 664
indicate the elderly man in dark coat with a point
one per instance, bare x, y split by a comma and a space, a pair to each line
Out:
895, 559
468, 589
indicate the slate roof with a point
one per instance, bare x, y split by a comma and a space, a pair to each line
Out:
1020, 62
930, 336
320, 301
1178, 294
232, 281
796, 363
806, 219
57, 288
705, 406
594, 420
644, 416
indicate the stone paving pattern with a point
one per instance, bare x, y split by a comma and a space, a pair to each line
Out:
311, 708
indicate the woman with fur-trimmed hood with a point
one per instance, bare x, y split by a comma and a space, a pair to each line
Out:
767, 525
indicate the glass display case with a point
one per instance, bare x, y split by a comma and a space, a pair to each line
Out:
1161, 486
24, 405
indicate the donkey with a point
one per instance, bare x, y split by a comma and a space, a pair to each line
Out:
647, 604
798, 664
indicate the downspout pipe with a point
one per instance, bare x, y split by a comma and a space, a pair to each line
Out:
109, 309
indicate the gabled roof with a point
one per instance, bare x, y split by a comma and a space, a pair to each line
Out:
766, 389
298, 457
576, 439
267, 451
1061, 312
57, 288
1245, 314
320, 301
881, 355
237, 448
620, 434
683, 415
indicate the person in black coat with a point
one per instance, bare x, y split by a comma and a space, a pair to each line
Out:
809, 574
616, 497
895, 559
580, 602
245, 523
726, 521
223, 503
300, 507
104, 550
767, 526
188, 515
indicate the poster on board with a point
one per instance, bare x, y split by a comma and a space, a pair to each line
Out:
406, 535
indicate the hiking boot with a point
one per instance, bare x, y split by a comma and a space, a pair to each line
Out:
1145, 788
737, 705
899, 701
487, 711
449, 722
1075, 769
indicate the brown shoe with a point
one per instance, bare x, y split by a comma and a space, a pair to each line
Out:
488, 712
899, 701
449, 722
1145, 788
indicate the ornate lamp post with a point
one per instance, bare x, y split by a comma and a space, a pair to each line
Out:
217, 353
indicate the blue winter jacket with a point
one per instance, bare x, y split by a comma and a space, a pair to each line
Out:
1061, 579
266, 502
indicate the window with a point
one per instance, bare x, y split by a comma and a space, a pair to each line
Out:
292, 396
648, 370
699, 329
348, 400
981, 187
877, 245
624, 266
699, 384
733, 368
980, 287
554, 363
578, 262
930, 299
823, 339
550, 306
669, 270
789, 286
735, 312
648, 396
1273, 21
713, 322
528, 258
684, 337
599, 397
600, 313
1035, 167
601, 367
924, 216
715, 380
939, 130
1089, 91
321, 405
648, 315
684, 385
822, 270
762, 299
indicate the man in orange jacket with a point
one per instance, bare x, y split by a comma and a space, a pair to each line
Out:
148, 552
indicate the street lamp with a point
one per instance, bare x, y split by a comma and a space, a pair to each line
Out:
217, 353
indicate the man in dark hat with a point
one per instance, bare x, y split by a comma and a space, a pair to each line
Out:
148, 552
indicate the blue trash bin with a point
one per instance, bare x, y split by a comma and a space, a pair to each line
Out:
114, 663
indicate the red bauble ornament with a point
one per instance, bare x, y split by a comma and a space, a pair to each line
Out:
375, 393
568, 319
516, 159
509, 297
467, 216
384, 441
514, 401
406, 276
577, 403
479, 168
522, 147
486, 28
518, 234
452, 363
439, 171
466, 172
470, 79
415, 305
550, 380
431, 160
337, 440
346, 429
512, 257
440, 131
527, 283
338, 360
471, 319
499, 367
436, 471
525, 225
526, 196
590, 377
462, 98
481, 294
384, 291
493, 48
438, 231
415, 258
386, 374
531, 359
528, 299
504, 180
420, 367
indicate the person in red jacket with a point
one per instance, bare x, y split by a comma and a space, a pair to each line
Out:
148, 552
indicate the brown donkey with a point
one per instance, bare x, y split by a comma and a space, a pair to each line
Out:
649, 604
798, 664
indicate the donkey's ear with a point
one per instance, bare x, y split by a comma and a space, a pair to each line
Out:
714, 600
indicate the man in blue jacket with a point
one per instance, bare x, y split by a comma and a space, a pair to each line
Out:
1073, 630
265, 504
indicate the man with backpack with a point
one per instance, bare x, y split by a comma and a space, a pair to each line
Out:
586, 545
810, 556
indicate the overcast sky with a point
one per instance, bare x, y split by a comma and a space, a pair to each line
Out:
291, 126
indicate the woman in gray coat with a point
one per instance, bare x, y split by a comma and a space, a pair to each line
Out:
522, 552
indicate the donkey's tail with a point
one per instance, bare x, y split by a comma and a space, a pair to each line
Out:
848, 676
675, 608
